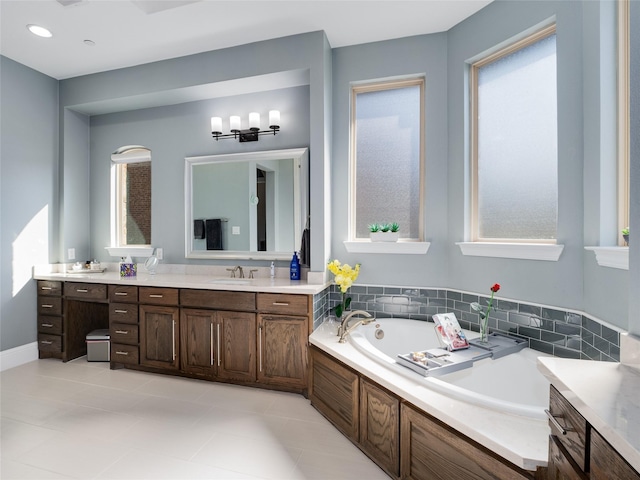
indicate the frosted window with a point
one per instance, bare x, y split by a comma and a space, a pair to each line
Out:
517, 145
388, 160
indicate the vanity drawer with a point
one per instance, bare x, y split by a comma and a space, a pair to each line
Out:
283, 303
49, 288
90, 291
123, 294
50, 325
158, 296
123, 313
573, 435
49, 343
124, 354
218, 300
124, 333
50, 305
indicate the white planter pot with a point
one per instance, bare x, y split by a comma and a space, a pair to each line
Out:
384, 236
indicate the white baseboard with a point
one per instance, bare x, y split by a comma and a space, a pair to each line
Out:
18, 356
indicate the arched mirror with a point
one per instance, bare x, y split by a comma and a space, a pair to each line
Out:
246, 205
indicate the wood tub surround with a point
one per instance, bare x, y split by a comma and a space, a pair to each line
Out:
248, 338
403, 440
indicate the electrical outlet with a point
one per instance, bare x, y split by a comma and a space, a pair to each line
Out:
71, 253
159, 253
235, 230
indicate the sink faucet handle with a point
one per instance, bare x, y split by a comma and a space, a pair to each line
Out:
233, 271
251, 272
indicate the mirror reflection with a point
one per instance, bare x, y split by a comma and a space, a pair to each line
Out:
250, 205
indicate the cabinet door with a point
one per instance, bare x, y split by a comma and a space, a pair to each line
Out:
561, 465
237, 343
282, 350
606, 463
380, 427
159, 327
430, 450
198, 334
334, 391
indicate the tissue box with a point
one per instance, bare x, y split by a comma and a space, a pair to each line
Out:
128, 269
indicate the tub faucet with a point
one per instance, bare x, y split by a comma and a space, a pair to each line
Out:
344, 328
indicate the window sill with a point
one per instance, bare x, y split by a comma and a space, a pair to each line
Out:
141, 251
613, 257
407, 248
522, 251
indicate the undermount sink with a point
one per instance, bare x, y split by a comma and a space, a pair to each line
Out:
231, 281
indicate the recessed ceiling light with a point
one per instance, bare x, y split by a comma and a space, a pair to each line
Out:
88, 42
39, 31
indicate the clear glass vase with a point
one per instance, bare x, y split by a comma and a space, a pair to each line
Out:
484, 330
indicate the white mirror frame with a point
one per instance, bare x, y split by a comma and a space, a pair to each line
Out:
301, 207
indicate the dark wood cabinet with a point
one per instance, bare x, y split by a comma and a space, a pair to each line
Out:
237, 351
561, 466
199, 332
159, 337
380, 426
282, 350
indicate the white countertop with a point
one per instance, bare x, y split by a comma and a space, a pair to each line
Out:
606, 394
184, 276
523, 441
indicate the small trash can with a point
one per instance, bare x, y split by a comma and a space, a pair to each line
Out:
98, 346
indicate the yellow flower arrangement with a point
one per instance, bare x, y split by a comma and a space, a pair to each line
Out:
345, 275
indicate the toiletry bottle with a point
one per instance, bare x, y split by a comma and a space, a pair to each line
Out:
295, 267
273, 270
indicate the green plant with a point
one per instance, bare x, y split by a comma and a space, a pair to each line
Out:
385, 227
374, 227
625, 231
394, 227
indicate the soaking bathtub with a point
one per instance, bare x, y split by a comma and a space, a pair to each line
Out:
498, 403
510, 384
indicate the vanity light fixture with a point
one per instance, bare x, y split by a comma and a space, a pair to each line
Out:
249, 135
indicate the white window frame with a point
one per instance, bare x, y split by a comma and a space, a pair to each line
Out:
624, 121
124, 155
404, 245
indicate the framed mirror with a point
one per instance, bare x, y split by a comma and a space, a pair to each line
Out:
246, 205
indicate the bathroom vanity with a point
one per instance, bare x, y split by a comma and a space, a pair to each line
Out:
250, 333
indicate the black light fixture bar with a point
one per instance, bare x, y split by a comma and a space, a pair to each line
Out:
249, 135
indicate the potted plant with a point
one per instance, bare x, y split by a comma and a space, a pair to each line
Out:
384, 232
625, 235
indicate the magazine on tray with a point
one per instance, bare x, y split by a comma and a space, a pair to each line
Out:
450, 331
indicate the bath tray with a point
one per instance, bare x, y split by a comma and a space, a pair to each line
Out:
500, 345
439, 361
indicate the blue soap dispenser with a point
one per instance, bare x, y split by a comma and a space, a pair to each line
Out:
295, 267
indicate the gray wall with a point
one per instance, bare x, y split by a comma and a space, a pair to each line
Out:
28, 187
634, 223
173, 133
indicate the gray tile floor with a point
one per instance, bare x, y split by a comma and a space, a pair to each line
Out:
82, 420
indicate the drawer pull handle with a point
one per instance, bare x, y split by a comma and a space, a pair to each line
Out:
155, 295
121, 294
122, 332
46, 342
82, 290
281, 304
117, 310
48, 325
553, 420
46, 288
46, 305
118, 352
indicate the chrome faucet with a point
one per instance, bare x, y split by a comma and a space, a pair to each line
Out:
344, 328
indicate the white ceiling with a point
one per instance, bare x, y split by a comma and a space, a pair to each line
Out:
133, 32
